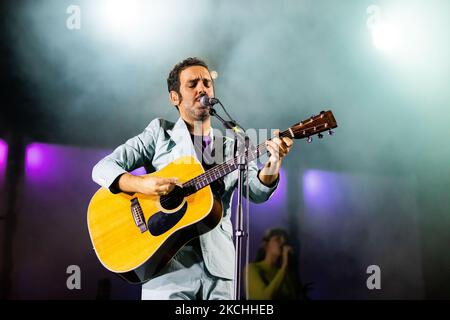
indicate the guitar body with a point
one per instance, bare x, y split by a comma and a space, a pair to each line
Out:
136, 235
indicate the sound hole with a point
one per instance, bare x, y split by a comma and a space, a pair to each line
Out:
173, 199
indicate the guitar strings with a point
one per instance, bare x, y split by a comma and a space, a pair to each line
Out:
210, 173
249, 154
230, 164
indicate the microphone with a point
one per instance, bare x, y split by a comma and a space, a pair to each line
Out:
206, 101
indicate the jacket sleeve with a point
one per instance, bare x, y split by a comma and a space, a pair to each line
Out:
134, 153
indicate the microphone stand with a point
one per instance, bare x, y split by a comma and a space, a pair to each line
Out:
239, 232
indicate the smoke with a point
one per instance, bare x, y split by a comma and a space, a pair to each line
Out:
278, 62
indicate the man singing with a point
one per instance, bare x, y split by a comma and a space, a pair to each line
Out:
204, 268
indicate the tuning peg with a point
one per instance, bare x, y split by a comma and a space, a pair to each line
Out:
309, 140
331, 132
320, 136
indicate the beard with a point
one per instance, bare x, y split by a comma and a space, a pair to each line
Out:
202, 114
194, 110
198, 113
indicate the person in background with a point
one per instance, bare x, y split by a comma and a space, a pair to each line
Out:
274, 275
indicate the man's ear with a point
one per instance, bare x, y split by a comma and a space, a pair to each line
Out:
174, 98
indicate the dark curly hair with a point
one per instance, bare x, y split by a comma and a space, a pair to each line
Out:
173, 80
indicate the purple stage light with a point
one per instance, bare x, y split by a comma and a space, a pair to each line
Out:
279, 196
46, 162
34, 156
3, 153
320, 190
313, 183
273, 212
51, 163
3, 157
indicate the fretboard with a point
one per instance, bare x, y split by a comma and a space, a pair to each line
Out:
225, 168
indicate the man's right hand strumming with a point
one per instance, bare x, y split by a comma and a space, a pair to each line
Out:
148, 185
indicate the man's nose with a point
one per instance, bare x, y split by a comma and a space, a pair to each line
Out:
201, 89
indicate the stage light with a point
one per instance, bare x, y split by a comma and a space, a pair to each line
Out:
320, 190
385, 36
3, 155
34, 157
279, 197
122, 17
214, 74
137, 23
312, 182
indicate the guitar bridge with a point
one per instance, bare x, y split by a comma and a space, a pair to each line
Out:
138, 215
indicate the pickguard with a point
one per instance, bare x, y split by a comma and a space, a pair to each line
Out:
162, 222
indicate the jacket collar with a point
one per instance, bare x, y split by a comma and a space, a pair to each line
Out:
180, 131
181, 138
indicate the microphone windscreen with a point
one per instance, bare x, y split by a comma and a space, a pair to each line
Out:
204, 101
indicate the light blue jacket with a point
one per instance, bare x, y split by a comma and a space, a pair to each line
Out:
161, 143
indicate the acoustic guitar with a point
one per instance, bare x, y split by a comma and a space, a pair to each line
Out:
135, 235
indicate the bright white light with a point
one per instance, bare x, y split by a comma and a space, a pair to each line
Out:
214, 74
122, 17
385, 36
138, 23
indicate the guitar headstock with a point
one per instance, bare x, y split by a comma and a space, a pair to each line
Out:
315, 125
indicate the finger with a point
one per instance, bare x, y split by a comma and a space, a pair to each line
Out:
165, 181
276, 132
161, 191
280, 151
274, 154
283, 147
279, 144
272, 148
276, 140
288, 141
165, 191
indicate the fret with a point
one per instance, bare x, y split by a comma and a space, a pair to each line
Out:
305, 129
225, 168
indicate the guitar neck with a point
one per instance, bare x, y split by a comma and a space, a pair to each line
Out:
225, 168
